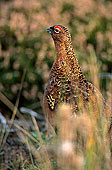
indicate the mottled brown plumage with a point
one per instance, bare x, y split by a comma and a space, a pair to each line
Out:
66, 81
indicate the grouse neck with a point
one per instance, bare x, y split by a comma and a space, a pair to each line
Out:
65, 52
64, 49
60, 48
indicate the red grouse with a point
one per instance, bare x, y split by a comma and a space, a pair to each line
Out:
66, 81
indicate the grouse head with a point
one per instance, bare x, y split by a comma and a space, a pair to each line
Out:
59, 33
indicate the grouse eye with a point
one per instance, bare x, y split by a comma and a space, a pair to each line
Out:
56, 30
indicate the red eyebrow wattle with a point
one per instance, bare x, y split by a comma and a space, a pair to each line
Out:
58, 28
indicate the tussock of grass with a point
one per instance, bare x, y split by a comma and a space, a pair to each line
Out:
80, 143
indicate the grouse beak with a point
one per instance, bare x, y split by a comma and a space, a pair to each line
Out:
49, 30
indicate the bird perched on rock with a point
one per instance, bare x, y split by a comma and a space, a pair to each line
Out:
66, 81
